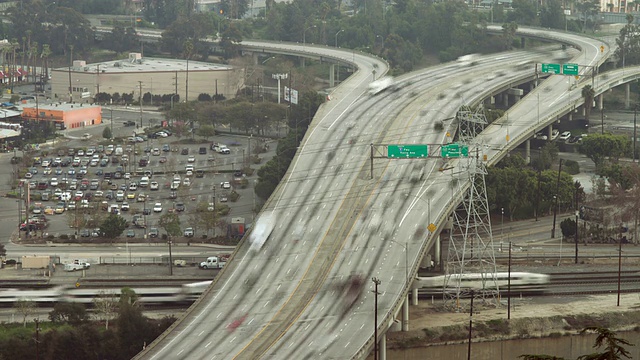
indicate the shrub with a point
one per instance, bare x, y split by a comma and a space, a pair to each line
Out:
438, 126
572, 167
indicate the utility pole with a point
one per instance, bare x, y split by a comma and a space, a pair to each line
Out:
635, 135
376, 282
186, 81
470, 326
70, 64
97, 79
140, 100
577, 219
508, 286
555, 206
170, 259
37, 321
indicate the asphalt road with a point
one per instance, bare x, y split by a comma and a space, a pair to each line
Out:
333, 221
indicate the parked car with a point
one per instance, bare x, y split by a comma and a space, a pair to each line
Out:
565, 136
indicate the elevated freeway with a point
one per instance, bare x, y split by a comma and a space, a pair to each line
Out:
333, 221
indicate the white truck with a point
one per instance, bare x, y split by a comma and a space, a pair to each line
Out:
77, 265
381, 85
213, 262
220, 149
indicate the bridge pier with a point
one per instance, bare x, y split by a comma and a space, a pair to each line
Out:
414, 296
255, 58
505, 99
382, 347
332, 75
527, 151
549, 132
570, 115
627, 91
405, 314
600, 101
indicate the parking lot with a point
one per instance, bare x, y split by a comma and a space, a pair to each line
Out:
142, 179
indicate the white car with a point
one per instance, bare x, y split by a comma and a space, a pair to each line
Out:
127, 175
186, 182
157, 207
124, 206
565, 135
28, 175
554, 134
191, 159
133, 186
154, 185
53, 182
47, 171
226, 185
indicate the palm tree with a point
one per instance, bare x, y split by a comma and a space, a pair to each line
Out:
588, 94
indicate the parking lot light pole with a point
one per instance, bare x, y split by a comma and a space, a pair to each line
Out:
170, 259
111, 119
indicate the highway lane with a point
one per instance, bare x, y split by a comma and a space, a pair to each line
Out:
284, 259
387, 225
261, 309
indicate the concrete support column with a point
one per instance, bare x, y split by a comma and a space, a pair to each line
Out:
255, 58
382, 347
517, 98
437, 250
600, 101
627, 91
405, 314
505, 99
532, 86
332, 75
414, 296
549, 131
527, 151
570, 116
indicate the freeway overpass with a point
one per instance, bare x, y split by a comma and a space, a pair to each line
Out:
285, 301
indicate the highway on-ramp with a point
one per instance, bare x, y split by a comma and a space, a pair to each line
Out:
333, 222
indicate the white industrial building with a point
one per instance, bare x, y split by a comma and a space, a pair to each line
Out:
151, 75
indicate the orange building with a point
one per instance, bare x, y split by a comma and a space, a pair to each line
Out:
65, 116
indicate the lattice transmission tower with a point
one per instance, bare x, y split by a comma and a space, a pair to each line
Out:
471, 122
471, 263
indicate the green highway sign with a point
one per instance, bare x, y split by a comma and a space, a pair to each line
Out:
407, 151
551, 68
454, 150
570, 69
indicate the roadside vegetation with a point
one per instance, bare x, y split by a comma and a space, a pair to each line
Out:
115, 329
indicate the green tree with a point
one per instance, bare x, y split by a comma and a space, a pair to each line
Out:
72, 313
121, 39
551, 15
614, 347
598, 147
206, 131
170, 223
106, 133
230, 40
568, 227
113, 226
509, 34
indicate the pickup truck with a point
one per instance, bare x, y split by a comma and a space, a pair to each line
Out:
77, 265
213, 262
220, 149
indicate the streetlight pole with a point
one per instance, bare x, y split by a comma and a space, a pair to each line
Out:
339, 31
170, 259
304, 35
111, 119
381, 39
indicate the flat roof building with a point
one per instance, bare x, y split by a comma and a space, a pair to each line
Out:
153, 75
64, 115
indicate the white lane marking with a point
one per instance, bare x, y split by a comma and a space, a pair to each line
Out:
206, 346
201, 332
